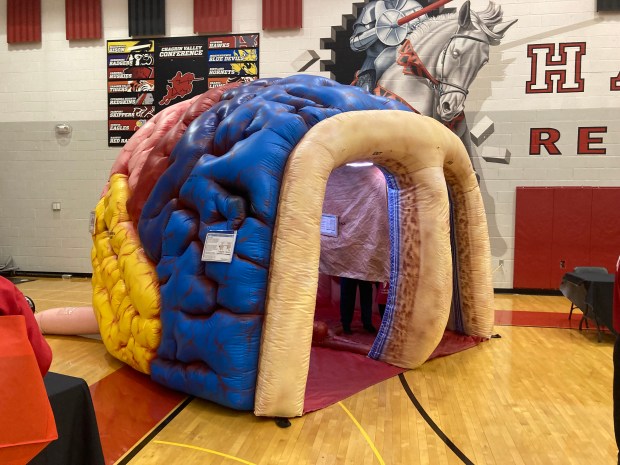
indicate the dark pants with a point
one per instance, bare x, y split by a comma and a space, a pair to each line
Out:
617, 393
348, 292
381, 310
381, 306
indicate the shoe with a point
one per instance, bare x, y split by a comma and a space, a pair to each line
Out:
346, 330
30, 303
371, 329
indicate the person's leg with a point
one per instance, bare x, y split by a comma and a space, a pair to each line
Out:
366, 305
381, 306
347, 303
616, 392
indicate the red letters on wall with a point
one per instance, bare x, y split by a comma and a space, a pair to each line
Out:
548, 138
565, 67
544, 136
585, 139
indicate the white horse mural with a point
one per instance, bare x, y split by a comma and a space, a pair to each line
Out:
439, 60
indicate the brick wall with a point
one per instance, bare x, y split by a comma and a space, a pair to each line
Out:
61, 82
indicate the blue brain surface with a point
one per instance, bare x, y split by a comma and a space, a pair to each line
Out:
225, 173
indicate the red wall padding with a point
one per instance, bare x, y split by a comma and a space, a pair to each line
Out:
23, 21
605, 243
572, 209
282, 14
533, 235
579, 226
83, 19
212, 16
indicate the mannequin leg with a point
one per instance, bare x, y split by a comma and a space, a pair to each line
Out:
68, 321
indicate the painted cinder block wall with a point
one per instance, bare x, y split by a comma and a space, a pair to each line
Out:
58, 81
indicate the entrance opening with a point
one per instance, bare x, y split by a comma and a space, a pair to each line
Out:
354, 260
419, 163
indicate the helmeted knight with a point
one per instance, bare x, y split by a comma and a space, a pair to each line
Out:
377, 31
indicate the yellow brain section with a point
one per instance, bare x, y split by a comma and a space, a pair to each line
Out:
125, 286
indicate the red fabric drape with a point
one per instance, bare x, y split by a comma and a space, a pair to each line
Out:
83, 19
23, 21
26, 419
212, 16
282, 14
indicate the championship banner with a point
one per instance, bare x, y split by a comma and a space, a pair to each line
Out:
147, 75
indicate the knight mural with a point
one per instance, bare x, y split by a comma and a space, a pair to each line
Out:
426, 62
377, 32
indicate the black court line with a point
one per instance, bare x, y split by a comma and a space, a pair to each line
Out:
431, 423
132, 453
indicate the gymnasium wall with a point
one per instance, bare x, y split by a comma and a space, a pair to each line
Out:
57, 81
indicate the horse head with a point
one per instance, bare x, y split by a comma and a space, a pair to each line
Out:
465, 54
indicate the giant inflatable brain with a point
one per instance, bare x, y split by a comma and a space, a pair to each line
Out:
255, 159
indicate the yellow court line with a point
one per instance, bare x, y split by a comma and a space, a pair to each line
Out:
188, 446
364, 433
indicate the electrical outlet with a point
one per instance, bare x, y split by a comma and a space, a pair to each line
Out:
56, 206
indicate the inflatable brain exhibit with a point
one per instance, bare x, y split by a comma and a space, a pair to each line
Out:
248, 165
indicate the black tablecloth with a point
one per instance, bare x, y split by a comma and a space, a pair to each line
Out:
599, 295
580, 277
78, 440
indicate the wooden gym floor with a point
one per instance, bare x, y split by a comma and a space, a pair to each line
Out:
537, 395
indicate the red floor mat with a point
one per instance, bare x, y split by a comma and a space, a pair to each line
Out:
128, 405
539, 319
337, 374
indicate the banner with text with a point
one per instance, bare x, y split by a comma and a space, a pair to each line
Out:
147, 75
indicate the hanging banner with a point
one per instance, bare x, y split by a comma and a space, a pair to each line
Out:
147, 75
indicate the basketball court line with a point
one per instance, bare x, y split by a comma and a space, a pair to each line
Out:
126, 390
431, 423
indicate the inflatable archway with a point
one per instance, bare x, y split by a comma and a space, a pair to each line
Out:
416, 151
255, 159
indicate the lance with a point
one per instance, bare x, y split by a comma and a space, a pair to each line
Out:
423, 11
390, 23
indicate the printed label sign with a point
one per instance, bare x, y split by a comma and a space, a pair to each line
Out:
219, 246
329, 225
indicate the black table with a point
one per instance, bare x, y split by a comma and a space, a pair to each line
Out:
599, 294
78, 440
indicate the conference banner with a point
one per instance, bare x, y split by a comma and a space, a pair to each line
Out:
146, 76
